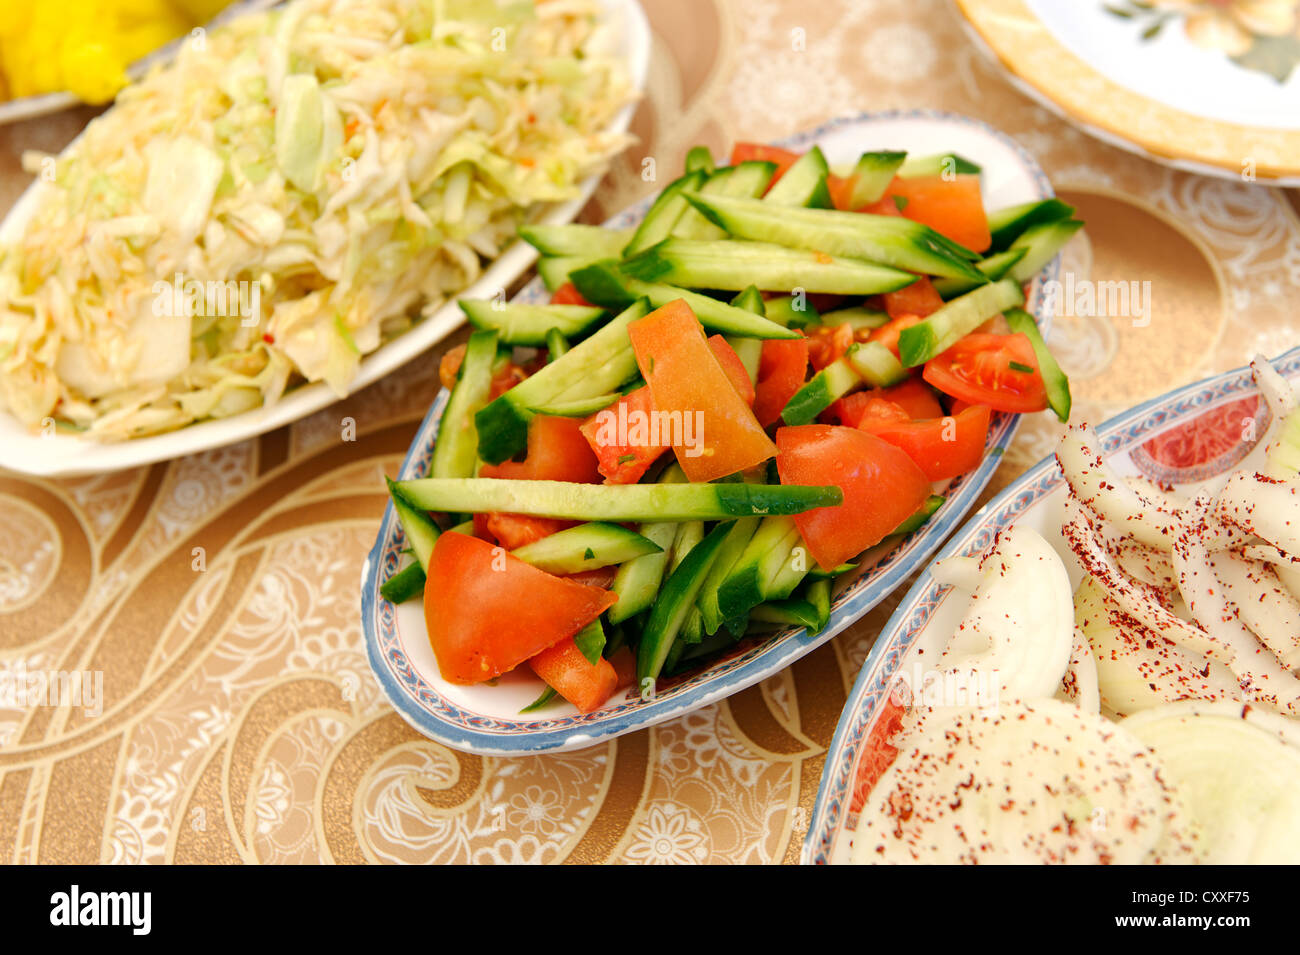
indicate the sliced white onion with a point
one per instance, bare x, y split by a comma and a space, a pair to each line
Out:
1137, 668
1277, 391
1239, 782
962, 573
1135, 598
1286, 567
1138, 560
1264, 507
1103, 491
1034, 781
1079, 685
1020, 622
1262, 603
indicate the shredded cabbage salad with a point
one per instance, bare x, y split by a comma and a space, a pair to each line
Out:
296, 189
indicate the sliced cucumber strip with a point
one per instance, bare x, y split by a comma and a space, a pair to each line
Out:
738, 537
675, 603
576, 239
699, 157
689, 533
942, 329
1041, 243
664, 213
791, 311
585, 547
1058, 386
590, 641
579, 407
1006, 225
596, 366
406, 584
768, 549
637, 581
615, 502
790, 613
824, 388
746, 180
922, 515
611, 287
518, 324
455, 455
872, 176
733, 264
557, 343
943, 164
858, 318
876, 364
547, 696
555, 270
749, 350
889, 240
994, 267
818, 593
803, 184
417, 527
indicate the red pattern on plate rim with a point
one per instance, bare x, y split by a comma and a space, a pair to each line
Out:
1210, 444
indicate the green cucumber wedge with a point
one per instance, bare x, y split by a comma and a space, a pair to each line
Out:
455, 455
611, 287
557, 343
792, 311
576, 239
824, 388
1041, 243
699, 157
518, 324
675, 603
876, 364
1057, 385
616, 502
956, 319
555, 270
596, 366
995, 267
663, 214
887, 240
945, 165
585, 547
790, 613
803, 184
739, 535
745, 180
406, 584
749, 350
750, 580
872, 176
734, 264
579, 407
858, 317
1006, 225
637, 581
421, 534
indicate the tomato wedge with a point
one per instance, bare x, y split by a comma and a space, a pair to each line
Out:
888, 333
882, 487
733, 367
713, 431
747, 152
951, 206
488, 611
941, 447
828, 344
1000, 371
919, 298
781, 372
568, 294
564, 668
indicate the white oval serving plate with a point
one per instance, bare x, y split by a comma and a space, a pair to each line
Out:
486, 719
1138, 441
62, 455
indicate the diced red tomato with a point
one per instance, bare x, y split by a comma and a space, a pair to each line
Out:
567, 671
624, 663
600, 577
568, 294
919, 298
884, 206
515, 530
686, 381
747, 152
1000, 371
941, 447
487, 611
841, 190
481, 529
828, 344
621, 446
915, 397
882, 487
952, 207
781, 372
888, 333
504, 377
854, 410
733, 366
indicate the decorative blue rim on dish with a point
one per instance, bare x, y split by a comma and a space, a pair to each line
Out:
421, 704
1122, 433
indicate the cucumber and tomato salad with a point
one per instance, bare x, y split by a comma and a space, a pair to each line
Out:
717, 412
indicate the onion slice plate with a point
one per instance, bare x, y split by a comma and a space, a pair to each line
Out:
1140, 441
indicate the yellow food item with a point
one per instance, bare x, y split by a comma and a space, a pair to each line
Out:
85, 46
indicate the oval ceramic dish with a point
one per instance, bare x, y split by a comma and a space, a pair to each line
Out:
486, 719
1139, 441
60, 455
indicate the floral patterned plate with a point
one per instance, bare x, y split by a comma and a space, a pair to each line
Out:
1210, 86
1192, 436
486, 719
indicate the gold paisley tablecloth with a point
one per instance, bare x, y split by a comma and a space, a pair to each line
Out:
218, 595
